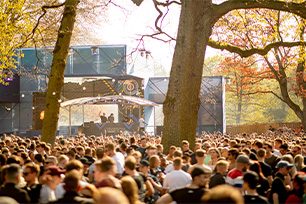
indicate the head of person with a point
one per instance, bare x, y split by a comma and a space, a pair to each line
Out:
283, 167
268, 147
222, 167
130, 164
104, 166
242, 162
277, 143
299, 162
108, 195
261, 153
31, 172
296, 150
130, 189
223, 194
250, 180
109, 149
185, 145
177, 163
200, 176
62, 161
51, 161
154, 161
74, 165
283, 149
71, 181
200, 155
11, 173
144, 166
214, 153
233, 154
54, 175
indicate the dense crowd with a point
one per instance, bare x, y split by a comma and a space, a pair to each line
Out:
131, 169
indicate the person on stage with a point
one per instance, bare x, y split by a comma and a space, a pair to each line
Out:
111, 118
103, 118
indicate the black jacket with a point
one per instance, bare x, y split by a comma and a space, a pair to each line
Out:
10, 190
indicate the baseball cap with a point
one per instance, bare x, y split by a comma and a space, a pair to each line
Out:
244, 159
144, 163
54, 171
283, 164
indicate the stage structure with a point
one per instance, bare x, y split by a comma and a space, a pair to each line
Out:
211, 115
21, 109
129, 123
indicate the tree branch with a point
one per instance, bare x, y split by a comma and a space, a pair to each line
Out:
250, 52
227, 6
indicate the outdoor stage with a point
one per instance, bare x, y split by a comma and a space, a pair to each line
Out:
131, 120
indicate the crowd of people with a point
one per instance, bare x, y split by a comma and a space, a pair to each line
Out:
134, 169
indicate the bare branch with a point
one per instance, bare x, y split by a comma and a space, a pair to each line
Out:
250, 52
227, 6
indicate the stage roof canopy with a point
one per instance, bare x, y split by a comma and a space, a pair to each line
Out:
113, 99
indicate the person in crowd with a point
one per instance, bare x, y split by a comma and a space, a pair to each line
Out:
234, 176
185, 147
265, 168
232, 156
250, 182
116, 156
130, 169
109, 195
200, 158
72, 187
104, 173
12, 175
279, 190
99, 155
299, 163
130, 189
219, 176
270, 158
33, 187
214, 156
191, 193
296, 194
223, 194
177, 178
51, 178
264, 186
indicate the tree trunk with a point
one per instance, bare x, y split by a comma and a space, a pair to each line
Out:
182, 101
56, 78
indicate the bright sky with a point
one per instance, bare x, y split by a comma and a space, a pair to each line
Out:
127, 24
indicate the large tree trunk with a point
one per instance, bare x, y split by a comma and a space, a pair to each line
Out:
56, 78
182, 101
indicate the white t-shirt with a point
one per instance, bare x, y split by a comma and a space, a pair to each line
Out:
119, 159
176, 179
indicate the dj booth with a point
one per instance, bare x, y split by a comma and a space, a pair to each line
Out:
91, 128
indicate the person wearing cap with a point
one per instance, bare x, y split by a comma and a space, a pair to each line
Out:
191, 193
279, 191
234, 176
144, 171
52, 178
250, 182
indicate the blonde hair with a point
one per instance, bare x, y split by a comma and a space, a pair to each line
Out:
130, 189
108, 195
223, 194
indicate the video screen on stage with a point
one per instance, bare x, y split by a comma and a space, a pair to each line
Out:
10, 92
